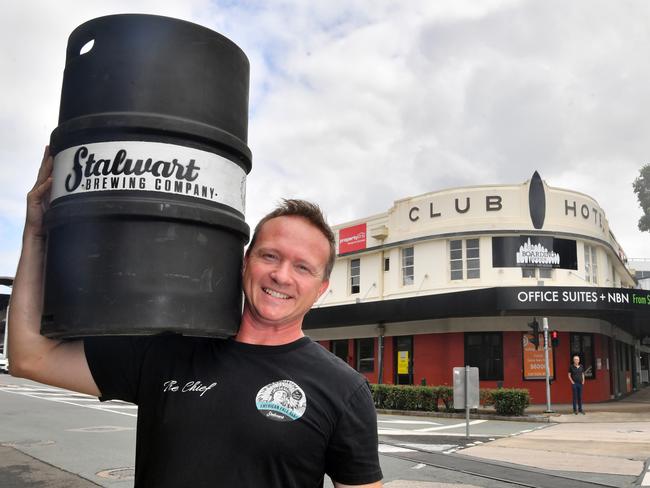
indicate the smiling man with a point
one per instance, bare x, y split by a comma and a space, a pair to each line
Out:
268, 408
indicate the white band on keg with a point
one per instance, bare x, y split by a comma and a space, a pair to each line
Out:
149, 166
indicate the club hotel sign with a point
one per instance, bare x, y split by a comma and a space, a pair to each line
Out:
514, 208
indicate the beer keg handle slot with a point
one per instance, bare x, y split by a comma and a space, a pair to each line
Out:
87, 47
80, 42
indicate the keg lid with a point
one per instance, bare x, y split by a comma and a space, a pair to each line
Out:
146, 72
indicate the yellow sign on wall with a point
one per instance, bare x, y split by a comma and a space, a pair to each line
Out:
402, 362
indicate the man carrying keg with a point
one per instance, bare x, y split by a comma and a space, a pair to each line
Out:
267, 408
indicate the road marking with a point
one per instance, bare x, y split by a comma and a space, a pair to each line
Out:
101, 429
426, 422
389, 448
60, 395
428, 447
419, 466
70, 399
404, 432
453, 426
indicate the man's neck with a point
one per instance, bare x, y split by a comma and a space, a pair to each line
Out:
254, 332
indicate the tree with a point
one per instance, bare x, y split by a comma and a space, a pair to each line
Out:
641, 187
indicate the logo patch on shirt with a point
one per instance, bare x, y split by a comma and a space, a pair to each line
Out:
282, 401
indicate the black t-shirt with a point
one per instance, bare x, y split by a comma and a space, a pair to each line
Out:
576, 373
220, 413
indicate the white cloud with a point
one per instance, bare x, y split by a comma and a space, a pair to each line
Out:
356, 104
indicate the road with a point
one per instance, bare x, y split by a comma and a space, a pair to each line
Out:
54, 438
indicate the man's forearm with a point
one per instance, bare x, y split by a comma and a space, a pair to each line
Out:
26, 345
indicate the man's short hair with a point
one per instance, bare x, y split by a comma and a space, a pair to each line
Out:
309, 211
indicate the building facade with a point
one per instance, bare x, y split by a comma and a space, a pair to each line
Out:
455, 277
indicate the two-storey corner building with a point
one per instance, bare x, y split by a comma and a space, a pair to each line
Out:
454, 277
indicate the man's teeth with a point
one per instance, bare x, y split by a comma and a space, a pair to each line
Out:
275, 294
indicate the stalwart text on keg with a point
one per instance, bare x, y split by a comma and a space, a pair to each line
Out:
85, 166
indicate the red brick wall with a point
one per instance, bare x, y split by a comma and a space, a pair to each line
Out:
435, 356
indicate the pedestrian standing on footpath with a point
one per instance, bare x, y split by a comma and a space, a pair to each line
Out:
577, 379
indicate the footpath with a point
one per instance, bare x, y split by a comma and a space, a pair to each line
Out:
612, 438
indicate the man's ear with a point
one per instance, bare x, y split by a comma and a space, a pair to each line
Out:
323, 287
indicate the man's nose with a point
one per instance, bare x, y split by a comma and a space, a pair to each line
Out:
282, 272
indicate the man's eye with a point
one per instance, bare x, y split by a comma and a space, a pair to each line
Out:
303, 269
269, 256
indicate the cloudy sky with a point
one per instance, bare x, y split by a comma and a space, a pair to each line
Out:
355, 104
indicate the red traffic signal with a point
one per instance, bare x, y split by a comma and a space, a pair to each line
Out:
555, 338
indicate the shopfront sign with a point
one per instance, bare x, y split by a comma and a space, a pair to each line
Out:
534, 368
534, 252
573, 298
352, 238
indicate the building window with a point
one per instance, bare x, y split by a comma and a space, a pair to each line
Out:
408, 268
528, 272
464, 255
386, 264
456, 259
541, 273
546, 273
355, 275
340, 349
473, 259
583, 346
591, 264
365, 354
484, 350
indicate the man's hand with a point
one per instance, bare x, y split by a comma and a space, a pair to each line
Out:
38, 198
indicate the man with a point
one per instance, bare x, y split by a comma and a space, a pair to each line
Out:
577, 379
270, 408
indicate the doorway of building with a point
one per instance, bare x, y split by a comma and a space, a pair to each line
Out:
403, 366
340, 348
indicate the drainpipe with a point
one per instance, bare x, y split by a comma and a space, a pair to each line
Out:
381, 328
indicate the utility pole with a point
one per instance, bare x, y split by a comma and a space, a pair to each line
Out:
548, 374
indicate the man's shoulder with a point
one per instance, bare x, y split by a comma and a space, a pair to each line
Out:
159, 343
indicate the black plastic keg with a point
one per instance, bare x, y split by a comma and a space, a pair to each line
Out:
146, 224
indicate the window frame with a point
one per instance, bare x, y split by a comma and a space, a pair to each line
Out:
496, 372
355, 288
468, 265
585, 360
334, 349
536, 273
364, 364
550, 273
591, 264
405, 266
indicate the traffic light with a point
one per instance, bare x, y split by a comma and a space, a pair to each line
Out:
534, 338
555, 338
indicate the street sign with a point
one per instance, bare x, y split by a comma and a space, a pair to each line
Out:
472, 390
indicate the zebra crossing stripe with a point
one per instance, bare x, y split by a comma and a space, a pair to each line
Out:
387, 448
70, 398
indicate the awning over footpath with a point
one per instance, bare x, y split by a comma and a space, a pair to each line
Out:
626, 308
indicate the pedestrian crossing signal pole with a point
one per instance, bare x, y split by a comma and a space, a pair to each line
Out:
548, 374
